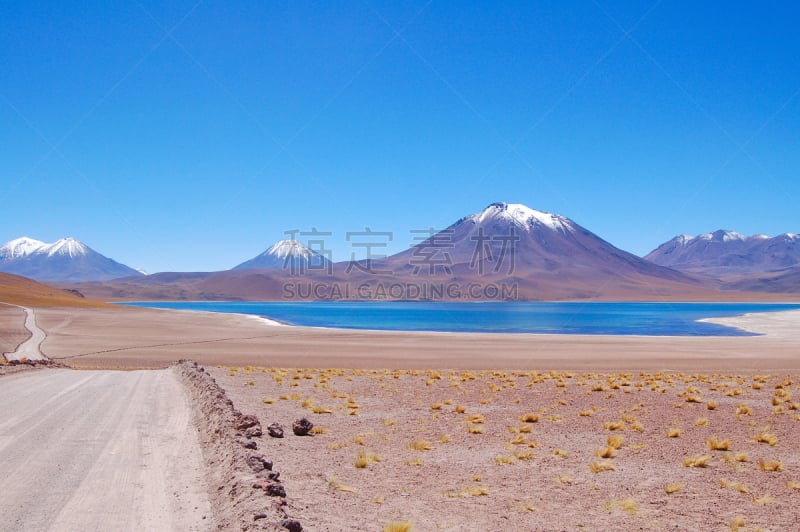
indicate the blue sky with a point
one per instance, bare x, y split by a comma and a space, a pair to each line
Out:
191, 136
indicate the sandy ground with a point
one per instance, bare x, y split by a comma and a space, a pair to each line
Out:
530, 459
12, 328
501, 470
144, 338
99, 451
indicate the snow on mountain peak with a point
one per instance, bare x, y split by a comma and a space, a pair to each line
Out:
522, 216
722, 235
20, 247
289, 248
66, 246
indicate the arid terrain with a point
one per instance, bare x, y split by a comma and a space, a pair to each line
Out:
514, 450
476, 431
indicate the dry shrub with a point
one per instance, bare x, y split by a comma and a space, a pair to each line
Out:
718, 445
398, 526
770, 466
421, 445
700, 460
615, 441
766, 437
674, 487
607, 452
601, 466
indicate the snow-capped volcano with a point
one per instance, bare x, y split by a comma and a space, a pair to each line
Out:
66, 260
549, 252
522, 216
728, 252
286, 254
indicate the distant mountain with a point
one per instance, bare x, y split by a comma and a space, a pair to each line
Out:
724, 253
506, 251
18, 290
66, 260
548, 255
289, 255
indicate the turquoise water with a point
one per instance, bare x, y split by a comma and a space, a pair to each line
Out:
655, 319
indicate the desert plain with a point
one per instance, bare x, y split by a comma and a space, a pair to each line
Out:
441, 431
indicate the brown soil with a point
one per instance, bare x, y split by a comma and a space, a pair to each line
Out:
12, 328
530, 475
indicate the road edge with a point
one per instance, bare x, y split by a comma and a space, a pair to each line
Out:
245, 492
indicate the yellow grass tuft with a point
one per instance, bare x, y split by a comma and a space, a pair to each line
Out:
793, 485
614, 425
738, 486
476, 418
460, 409
321, 410
421, 445
317, 430
523, 455
561, 453
771, 466
398, 526
711, 405
737, 524
526, 429
530, 417
364, 459
766, 437
674, 487
474, 429
674, 433
586, 413
389, 422
740, 457
615, 441
718, 445
601, 466
333, 483
504, 459
701, 422
697, 461
608, 452
437, 406
518, 439
268, 400
445, 438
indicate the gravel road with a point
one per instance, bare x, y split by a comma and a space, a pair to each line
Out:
99, 450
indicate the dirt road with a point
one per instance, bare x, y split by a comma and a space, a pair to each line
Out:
99, 450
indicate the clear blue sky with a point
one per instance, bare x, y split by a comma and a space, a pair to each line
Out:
191, 136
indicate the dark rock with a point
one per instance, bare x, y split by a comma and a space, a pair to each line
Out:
275, 430
274, 475
258, 462
301, 427
253, 432
258, 516
291, 525
275, 490
249, 444
246, 421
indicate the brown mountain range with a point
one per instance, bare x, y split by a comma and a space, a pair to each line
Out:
505, 252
